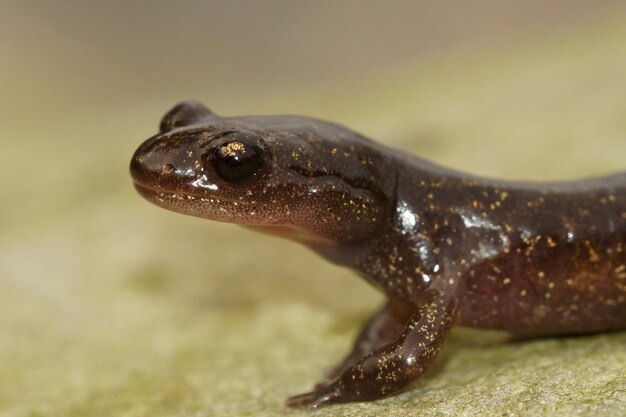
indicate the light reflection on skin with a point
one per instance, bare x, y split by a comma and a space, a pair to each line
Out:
409, 222
188, 172
486, 249
489, 248
570, 237
313, 190
203, 182
407, 217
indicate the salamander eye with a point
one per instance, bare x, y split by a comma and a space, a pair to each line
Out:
238, 157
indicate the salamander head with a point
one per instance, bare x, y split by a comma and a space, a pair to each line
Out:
308, 179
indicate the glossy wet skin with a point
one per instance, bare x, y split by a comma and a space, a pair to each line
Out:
445, 247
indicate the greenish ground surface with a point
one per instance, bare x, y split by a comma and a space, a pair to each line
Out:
112, 307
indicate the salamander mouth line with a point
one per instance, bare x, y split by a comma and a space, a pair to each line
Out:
159, 196
156, 193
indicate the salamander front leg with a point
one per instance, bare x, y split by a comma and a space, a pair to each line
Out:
381, 329
392, 367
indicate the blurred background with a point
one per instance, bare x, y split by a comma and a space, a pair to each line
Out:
111, 306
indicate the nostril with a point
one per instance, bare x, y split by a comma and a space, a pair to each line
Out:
167, 168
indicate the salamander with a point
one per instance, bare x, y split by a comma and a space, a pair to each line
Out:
447, 248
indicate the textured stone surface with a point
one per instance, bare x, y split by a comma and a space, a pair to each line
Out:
111, 307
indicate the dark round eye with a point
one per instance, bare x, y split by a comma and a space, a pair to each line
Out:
238, 157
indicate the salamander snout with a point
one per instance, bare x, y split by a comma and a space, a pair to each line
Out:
160, 164
170, 153
147, 163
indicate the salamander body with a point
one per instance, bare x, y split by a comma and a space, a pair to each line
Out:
447, 248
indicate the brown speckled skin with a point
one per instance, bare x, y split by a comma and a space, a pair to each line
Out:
447, 248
